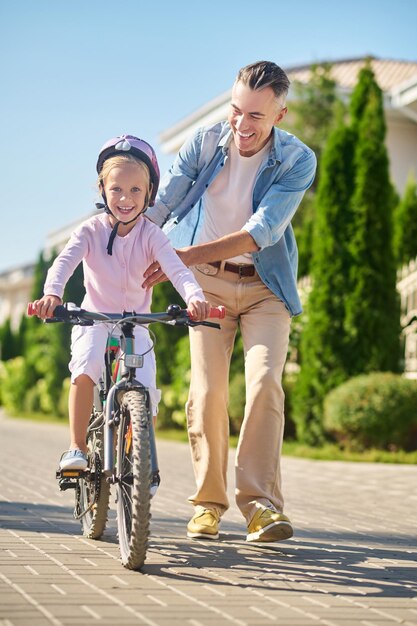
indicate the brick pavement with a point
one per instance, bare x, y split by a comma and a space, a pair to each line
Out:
352, 560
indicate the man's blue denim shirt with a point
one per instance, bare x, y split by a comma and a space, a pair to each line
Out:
284, 176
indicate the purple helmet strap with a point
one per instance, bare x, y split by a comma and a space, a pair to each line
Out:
113, 233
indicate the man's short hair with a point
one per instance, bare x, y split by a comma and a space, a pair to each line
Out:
265, 74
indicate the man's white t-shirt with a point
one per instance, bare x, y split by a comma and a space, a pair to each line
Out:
227, 202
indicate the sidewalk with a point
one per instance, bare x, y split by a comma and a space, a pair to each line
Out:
351, 562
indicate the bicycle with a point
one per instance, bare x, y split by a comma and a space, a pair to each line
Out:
120, 435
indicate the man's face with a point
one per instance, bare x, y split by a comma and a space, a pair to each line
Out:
253, 113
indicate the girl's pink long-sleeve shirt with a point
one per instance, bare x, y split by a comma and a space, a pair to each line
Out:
113, 282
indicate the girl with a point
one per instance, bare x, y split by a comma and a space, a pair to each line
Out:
115, 247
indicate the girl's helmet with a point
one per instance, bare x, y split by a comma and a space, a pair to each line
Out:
138, 148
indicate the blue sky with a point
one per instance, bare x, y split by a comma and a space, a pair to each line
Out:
77, 72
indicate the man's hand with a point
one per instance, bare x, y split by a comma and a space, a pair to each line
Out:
153, 275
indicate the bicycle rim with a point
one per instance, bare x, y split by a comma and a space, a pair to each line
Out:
93, 495
133, 469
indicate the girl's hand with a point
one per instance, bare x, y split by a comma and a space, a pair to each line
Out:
198, 309
46, 305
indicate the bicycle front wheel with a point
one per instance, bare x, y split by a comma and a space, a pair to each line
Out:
133, 469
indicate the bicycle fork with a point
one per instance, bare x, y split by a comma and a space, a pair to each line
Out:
111, 422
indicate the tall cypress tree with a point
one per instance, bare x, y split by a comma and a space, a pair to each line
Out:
352, 312
322, 349
405, 225
372, 313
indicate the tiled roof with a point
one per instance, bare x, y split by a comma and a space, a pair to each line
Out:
388, 73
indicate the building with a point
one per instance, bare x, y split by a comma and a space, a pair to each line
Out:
15, 289
407, 286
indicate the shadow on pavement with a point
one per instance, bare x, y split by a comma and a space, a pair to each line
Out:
345, 564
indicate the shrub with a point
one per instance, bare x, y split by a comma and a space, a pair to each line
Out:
14, 384
62, 407
374, 410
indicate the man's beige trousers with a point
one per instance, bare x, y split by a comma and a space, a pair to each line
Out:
264, 324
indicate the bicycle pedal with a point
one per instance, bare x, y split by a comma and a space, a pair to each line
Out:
67, 483
67, 473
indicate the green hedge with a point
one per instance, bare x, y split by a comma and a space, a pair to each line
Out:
374, 410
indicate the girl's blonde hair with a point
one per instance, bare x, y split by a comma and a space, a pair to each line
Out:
121, 159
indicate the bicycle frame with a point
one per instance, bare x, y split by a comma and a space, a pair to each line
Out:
125, 382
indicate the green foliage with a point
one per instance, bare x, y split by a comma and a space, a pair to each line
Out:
303, 224
175, 392
8, 342
39, 276
372, 307
405, 225
352, 312
237, 401
312, 117
375, 410
323, 345
315, 107
44, 354
14, 382
167, 337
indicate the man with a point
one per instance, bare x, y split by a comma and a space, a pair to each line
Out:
231, 194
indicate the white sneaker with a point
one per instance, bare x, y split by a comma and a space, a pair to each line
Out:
73, 460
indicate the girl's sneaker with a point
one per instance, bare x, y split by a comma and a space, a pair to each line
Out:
73, 460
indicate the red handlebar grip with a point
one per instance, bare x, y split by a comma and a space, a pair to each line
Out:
217, 311
31, 309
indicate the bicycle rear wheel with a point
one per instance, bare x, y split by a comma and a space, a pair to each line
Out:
93, 493
133, 469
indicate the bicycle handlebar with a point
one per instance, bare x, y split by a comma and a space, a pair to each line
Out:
71, 313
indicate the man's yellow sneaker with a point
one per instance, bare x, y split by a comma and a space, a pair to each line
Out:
204, 524
269, 525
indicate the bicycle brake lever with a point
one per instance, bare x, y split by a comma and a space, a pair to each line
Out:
209, 324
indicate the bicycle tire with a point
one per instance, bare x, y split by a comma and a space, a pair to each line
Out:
133, 470
94, 495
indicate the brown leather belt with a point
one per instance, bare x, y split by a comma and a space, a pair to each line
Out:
237, 268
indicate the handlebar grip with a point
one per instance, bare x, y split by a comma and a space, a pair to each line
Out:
60, 311
217, 311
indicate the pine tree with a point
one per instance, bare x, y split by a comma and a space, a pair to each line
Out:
372, 313
7, 341
323, 344
405, 225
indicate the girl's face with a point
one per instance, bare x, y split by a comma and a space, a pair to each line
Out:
125, 187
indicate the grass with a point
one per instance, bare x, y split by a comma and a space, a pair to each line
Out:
328, 452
